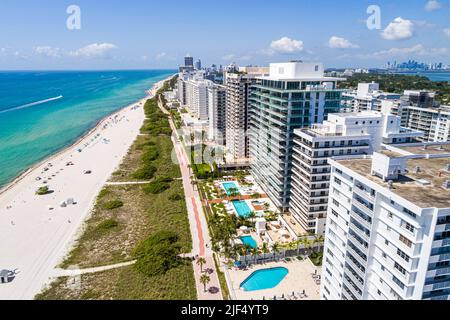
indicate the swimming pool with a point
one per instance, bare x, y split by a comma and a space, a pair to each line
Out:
242, 208
228, 186
249, 241
264, 279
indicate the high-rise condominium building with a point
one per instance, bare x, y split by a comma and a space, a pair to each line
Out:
189, 61
217, 108
197, 98
434, 122
198, 64
343, 135
294, 95
387, 234
237, 96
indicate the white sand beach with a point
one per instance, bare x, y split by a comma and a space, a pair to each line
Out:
36, 233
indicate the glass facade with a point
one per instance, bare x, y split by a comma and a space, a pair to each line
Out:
276, 109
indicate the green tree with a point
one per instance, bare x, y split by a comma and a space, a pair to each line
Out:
205, 280
201, 261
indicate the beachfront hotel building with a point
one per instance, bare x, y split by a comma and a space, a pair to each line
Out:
238, 85
216, 112
294, 95
387, 234
342, 135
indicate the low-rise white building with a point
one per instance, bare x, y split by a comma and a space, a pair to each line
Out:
368, 97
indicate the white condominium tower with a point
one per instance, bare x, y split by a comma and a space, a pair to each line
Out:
434, 122
295, 95
197, 98
343, 134
387, 234
237, 85
217, 107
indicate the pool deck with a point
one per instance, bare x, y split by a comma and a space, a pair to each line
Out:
298, 279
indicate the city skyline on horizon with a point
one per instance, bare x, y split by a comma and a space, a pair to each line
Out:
340, 37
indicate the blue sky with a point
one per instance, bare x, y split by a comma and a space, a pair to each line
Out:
157, 34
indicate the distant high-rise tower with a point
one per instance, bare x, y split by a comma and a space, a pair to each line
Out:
198, 64
188, 61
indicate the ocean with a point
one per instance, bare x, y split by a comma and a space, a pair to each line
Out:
433, 76
44, 112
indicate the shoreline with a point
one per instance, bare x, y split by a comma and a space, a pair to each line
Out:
38, 232
7, 186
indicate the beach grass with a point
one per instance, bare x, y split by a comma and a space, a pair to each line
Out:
137, 159
142, 214
126, 284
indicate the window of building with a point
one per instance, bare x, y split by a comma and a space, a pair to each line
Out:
403, 255
406, 241
409, 227
409, 212
398, 282
400, 268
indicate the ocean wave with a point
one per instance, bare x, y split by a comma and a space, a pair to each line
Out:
31, 104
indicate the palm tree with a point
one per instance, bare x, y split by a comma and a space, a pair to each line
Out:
307, 246
265, 249
201, 262
276, 247
317, 241
204, 280
255, 253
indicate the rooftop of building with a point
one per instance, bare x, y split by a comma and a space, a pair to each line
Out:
424, 149
424, 189
298, 71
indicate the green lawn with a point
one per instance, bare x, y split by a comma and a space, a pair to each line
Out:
142, 215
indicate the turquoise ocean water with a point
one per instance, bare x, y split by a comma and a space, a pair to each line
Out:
43, 112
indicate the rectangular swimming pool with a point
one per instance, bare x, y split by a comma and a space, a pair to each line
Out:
242, 208
229, 186
249, 241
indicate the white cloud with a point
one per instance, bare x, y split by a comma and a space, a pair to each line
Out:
161, 55
399, 29
95, 50
341, 43
229, 57
286, 45
418, 49
447, 32
47, 51
432, 5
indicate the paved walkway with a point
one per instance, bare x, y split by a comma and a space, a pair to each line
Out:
126, 183
78, 272
197, 220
